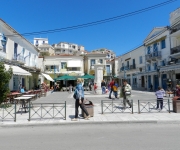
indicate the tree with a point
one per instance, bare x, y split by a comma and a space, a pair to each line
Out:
42, 54
5, 76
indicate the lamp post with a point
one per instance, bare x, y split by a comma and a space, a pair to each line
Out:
3, 40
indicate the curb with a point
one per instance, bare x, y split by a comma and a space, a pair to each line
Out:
88, 123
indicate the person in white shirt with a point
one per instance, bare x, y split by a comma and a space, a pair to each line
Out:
160, 93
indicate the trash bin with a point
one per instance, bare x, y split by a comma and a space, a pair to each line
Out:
176, 104
89, 107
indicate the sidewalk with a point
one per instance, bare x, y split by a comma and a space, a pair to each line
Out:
106, 117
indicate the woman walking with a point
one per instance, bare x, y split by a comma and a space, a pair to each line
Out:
79, 96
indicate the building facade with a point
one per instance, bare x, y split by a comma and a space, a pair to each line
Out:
67, 48
19, 53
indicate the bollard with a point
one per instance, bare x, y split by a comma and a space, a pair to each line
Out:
132, 105
102, 106
139, 107
29, 111
168, 105
15, 112
65, 110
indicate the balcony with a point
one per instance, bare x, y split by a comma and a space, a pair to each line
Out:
174, 16
19, 59
124, 68
132, 67
175, 51
153, 56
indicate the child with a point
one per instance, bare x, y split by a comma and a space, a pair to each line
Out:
95, 88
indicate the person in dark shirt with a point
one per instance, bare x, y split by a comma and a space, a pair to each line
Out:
103, 87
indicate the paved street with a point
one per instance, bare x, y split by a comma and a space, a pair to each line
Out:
92, 137
43, 114
58, 97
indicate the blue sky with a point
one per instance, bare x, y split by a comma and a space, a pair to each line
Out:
120, 36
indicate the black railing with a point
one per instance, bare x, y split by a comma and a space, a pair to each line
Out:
132, 66
151, 106
8, 112
175, 50
114, 106
47, 111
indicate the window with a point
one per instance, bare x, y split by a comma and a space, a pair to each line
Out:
63, 50
15, 50
92, 62
36, 41
100, 61
43, 42
140, 60
155, 47
148, 50
108, 68
63, 65
52, 67
155, 66
127, 64
163, 62
163, 44
148, 67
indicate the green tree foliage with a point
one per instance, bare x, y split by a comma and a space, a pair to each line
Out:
5, 76
42, 54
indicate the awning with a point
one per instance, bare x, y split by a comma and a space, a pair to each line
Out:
47, 77
74, 63
18, 71
170, 67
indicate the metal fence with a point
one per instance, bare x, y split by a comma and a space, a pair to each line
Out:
47, 111
151, 106
114, 106
8, 112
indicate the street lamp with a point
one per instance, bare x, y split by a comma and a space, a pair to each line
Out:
3, 40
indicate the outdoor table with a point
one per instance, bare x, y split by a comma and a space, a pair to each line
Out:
23, 99
32, 95
12, 96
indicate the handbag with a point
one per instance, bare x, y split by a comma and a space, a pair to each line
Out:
127, 93
74, 95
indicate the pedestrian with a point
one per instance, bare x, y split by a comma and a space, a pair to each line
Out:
115, 89
151, 87
70, 88
22, 90
160, 93
95, 88
177, 90
89, 84
126, 93
103, 87
79, 98
111, 87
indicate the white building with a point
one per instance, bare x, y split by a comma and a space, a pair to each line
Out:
59, 65
45, 49
67, 48
131, 65
19, 52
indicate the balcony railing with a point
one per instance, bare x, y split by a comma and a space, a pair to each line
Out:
132, 66
124, 68
18, 58
175, 50
153, 56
